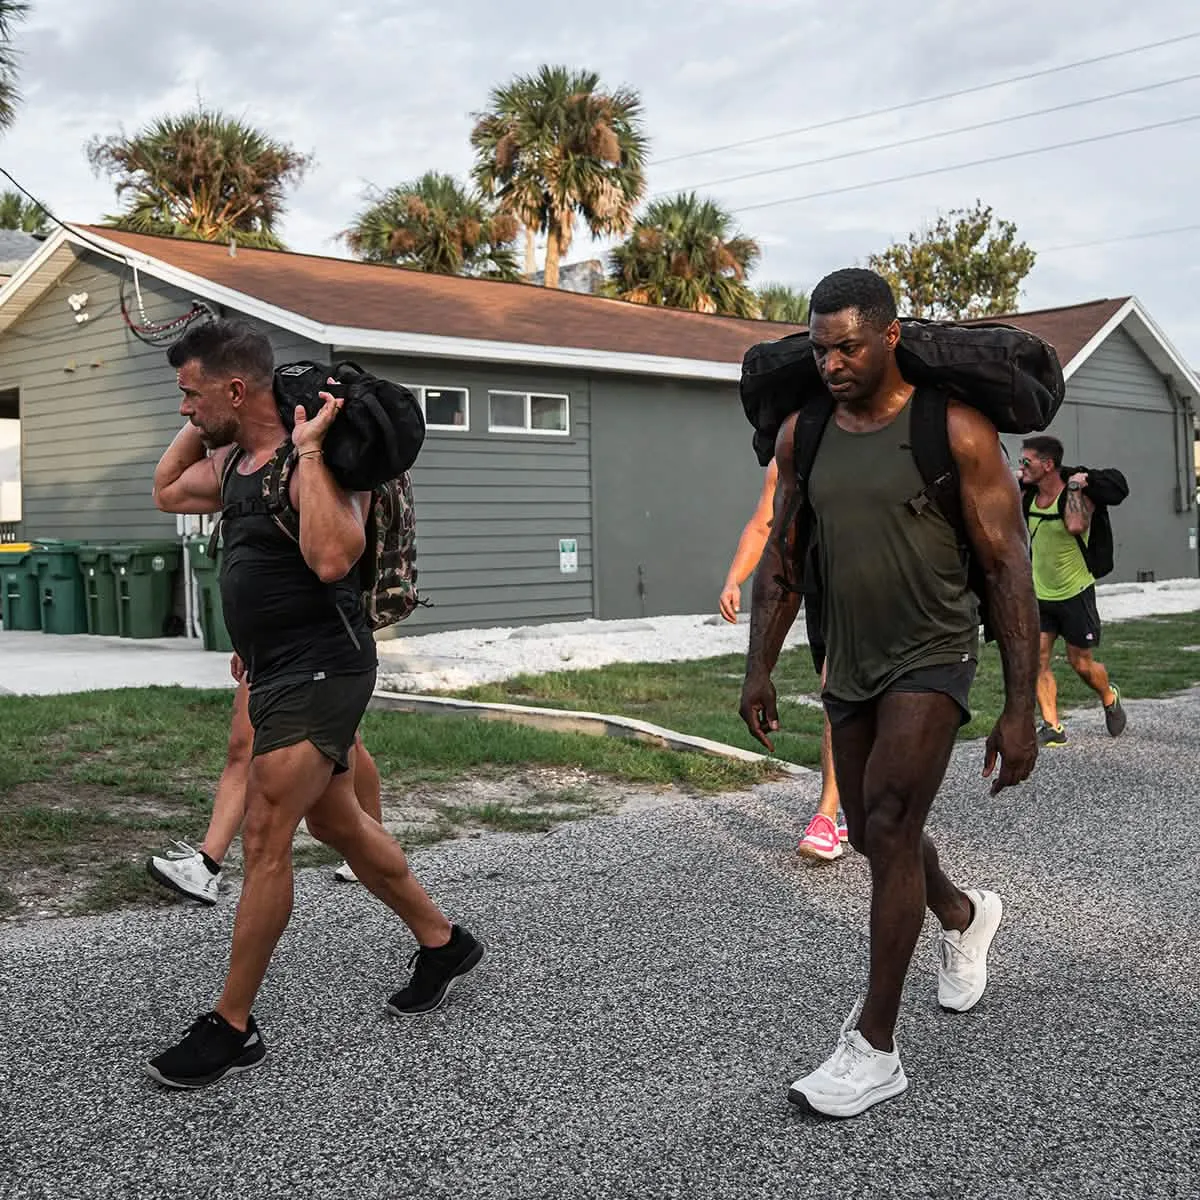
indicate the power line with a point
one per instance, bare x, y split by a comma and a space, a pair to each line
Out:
978, 162
929, 137
894, 108
1128, 237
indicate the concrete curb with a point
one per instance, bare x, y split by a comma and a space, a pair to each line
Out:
565, 721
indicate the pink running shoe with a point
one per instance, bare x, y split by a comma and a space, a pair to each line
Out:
820, 840
843, 832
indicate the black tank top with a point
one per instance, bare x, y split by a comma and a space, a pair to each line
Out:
283, 621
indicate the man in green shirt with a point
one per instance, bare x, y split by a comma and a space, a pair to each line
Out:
1060, 519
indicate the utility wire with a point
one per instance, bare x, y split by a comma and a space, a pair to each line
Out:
157, 334
977, 162
908, 104
1128, 237
929, 137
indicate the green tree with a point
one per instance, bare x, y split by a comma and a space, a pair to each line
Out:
778, 302
967, 264
18, 213
553, 147
435, 224
686, 253
201, 175
11, 11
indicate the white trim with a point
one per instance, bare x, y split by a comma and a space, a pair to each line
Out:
1159, 350
528, 428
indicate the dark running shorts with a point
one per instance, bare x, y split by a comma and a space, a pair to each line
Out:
1076, 621
325, 710
952, 679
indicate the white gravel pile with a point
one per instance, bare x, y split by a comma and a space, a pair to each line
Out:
464, 657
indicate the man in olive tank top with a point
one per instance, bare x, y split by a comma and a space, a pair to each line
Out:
1060, 515
901, 631
293, 607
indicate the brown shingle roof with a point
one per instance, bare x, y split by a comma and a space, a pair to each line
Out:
1070, 328
357, 295
334, 291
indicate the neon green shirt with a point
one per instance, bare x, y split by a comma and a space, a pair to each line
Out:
1059, 572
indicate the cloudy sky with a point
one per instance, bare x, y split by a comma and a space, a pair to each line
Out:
382, 90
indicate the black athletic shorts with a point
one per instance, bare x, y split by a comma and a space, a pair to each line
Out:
952, 679
322, 709
1076, 621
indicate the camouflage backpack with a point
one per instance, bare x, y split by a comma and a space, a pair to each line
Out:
388, 567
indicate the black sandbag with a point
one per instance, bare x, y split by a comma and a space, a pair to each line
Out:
1009, 374
377, 435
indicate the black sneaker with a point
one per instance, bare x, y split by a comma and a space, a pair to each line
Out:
437, 969
1052, 735
1114, 714
211, 1050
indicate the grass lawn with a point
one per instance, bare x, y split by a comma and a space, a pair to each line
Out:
92, 784
1145, 658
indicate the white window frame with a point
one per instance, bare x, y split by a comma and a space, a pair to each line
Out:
419, 390
527, 429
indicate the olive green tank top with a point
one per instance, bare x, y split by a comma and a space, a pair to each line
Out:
893, 582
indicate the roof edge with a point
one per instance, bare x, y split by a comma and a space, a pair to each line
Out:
415, 344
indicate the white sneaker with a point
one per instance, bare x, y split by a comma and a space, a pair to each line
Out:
855, 1077
183, 870
345, 873
962, 972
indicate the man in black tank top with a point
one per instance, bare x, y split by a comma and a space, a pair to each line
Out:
901, 632
293, 607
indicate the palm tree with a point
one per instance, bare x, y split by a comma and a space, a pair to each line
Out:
554, 146
201, 175
778, 302
434, 224
686, 253
18, 213
11, 11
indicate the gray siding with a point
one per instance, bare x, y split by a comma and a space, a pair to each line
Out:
1118, 413
491, 507
675, 481
98, 407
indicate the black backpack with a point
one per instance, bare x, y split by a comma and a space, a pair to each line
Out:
377, 435
1010, 375
1106, 488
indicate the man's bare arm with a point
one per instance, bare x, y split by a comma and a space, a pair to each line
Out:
332, 520
991, 505
774, 607
1077, 514
187, 479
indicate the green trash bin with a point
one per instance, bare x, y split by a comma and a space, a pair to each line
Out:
20, 607
144, 573
60, 587
99, 589
207, 570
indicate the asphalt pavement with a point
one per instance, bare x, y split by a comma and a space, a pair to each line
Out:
654, 981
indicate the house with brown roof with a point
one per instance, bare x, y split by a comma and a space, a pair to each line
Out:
585, 457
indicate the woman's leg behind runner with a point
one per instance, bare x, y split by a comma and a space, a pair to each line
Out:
197, 873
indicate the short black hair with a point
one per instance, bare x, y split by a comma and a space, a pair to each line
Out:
1045, 446
226, 347
855, 287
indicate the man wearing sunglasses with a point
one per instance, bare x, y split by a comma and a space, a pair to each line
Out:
1060, 513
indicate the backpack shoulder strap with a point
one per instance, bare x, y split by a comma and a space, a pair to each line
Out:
811, 421
931, 452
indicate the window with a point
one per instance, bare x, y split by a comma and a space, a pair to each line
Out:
528, 412
444, 408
